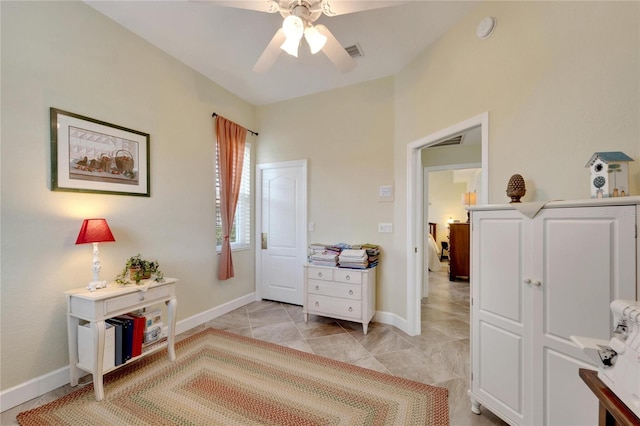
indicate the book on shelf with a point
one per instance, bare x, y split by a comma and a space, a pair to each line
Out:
118, 351
137, 323
127, 336
152, 334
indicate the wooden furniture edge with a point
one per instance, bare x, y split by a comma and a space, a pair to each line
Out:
609, 401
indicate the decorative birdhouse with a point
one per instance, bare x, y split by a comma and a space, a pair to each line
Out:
609, 174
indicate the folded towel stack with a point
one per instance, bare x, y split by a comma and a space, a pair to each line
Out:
324, 258
356, 259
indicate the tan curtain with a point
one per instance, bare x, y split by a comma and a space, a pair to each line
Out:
230, 140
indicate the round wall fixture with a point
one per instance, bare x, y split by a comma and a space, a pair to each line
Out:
486, 27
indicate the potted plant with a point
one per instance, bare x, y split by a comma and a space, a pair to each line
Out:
137, 268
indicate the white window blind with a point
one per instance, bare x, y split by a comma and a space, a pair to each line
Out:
239, 237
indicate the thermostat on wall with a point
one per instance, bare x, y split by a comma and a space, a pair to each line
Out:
385, 193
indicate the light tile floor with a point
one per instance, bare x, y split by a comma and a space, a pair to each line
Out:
439, 356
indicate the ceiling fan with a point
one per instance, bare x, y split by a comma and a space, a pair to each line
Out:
299, 16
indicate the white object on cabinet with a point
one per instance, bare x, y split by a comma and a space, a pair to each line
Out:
535, 282
86, 350
348, 294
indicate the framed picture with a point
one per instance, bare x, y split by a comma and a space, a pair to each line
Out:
89, 155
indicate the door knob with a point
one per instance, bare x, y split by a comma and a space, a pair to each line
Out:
527, 280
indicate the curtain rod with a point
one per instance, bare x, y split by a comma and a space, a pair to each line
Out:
215, 114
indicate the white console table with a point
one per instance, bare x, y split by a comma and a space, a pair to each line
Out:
97, 306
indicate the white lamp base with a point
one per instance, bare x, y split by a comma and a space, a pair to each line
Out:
94, 285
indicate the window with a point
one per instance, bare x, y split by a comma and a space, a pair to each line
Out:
240, 237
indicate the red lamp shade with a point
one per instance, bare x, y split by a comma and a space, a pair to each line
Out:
94, 231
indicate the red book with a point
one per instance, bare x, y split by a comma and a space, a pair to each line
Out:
138, 334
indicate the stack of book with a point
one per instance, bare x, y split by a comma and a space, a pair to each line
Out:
125, 338
373, 252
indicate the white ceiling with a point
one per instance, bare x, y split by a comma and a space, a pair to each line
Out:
224, 43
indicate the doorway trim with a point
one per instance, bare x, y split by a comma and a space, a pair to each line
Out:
415, 226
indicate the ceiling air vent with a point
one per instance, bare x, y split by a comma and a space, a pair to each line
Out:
456, 140
354, 51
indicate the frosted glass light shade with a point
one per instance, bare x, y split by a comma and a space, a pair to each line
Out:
293, 29
290, 46
315, 39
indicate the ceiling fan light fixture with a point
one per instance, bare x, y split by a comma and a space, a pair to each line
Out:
290, 46
315, 39
293, 28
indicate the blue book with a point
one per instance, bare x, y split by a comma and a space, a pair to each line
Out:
127, 336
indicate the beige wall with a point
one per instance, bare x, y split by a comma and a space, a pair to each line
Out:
559, 80
66, 55
347, 136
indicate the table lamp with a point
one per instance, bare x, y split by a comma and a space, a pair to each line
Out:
468, 199
95, 231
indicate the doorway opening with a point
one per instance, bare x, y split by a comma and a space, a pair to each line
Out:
448, 190
415, 207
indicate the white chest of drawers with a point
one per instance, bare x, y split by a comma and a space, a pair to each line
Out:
348, 294
95, 307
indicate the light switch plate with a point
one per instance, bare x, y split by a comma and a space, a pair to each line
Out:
385, 227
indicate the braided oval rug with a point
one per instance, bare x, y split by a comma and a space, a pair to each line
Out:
220, 378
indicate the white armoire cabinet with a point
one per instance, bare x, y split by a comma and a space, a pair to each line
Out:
534, 283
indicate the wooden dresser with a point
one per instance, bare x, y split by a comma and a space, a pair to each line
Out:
459, 246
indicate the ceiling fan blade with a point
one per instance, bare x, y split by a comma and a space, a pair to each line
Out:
335, 52
271, 53
342, 7
269, 6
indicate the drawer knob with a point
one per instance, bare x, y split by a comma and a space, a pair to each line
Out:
348, 277
317, 303
350, 309
351, 292
141, 297
317, 287
319, 274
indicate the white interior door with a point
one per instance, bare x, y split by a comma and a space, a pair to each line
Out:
281, 228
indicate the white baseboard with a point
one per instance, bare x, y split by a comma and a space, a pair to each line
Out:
38, 386
213, 313
391, 319
33, 388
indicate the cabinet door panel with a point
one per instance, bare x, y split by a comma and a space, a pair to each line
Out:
568, 400
501, 367
584, 259
584, 268
499, 265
